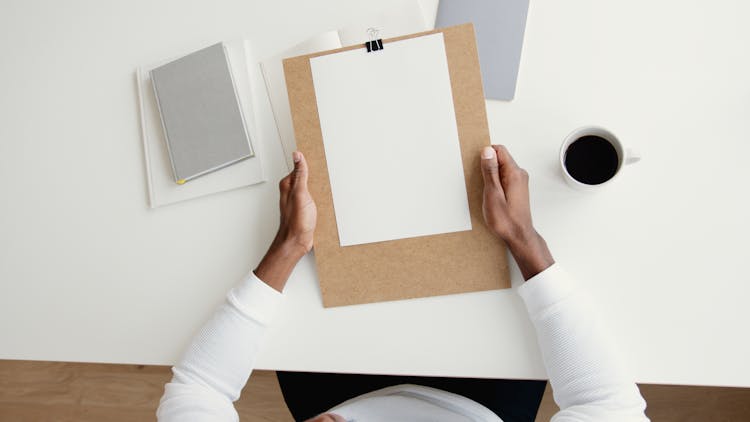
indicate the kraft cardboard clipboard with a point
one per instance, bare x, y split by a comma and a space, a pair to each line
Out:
450, 263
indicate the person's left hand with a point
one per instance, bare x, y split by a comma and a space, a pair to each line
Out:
296, 228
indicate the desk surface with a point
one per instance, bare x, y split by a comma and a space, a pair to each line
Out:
89, 273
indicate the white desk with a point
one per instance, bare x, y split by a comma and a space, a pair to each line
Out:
89, 273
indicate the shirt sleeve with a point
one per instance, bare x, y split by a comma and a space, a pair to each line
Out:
589, 380
221, 356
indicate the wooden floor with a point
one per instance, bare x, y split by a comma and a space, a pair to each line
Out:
61, 392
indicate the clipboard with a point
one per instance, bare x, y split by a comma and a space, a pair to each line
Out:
443, 264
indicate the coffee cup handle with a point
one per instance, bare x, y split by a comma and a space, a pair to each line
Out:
632, 156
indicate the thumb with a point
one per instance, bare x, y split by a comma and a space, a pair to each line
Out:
490, 168
300, 173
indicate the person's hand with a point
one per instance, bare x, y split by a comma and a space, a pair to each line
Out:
298, 212
295, 236
507, 211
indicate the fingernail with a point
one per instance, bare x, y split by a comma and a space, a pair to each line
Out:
296, 156
488, 153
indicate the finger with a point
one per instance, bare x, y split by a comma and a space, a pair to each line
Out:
503, 157
285, 186
300, 173
514, 179
490, 168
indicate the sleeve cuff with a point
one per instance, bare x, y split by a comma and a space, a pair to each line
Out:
546, 288
255, 299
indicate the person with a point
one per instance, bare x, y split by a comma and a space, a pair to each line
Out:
588, 379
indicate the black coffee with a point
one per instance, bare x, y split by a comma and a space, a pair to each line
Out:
591, 160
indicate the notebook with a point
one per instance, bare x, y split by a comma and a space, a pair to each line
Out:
499, 26
200, 113
162, 189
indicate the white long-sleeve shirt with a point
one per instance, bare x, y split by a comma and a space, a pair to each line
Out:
588, 379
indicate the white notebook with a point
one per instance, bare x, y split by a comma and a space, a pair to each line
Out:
161, 182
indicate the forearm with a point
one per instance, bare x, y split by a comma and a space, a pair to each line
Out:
586, 373
279, 262
530, 252
220, 358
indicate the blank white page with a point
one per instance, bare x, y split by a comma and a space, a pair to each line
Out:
391, 142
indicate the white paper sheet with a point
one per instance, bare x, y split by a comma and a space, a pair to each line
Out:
391, 141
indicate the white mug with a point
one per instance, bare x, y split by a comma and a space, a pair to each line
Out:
624, 155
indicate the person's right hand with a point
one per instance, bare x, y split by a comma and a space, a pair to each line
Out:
296, 229
507, 211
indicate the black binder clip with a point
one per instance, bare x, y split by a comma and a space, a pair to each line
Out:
375, 43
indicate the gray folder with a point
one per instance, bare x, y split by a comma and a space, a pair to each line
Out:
499, 26
200, 112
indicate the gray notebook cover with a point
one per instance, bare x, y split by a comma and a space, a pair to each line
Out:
200, 112
499, 26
